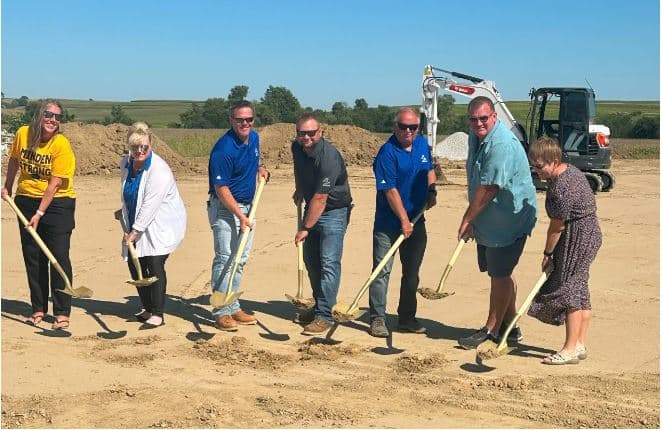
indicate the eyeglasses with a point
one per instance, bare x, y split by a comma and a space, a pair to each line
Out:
410, 127
248, 120
139, 148
48, 115
483, 119
309, 133
538, 165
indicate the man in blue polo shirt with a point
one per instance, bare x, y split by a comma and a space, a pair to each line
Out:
233, 171
501, 213
405, 187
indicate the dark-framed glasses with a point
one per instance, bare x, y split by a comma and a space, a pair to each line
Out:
483, 119
48, 115
139, 148
248, 120
410, 127
309, 133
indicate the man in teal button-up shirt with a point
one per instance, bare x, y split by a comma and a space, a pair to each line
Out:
501, 212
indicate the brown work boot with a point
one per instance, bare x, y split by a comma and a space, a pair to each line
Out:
243, 318
226, 323
318, 326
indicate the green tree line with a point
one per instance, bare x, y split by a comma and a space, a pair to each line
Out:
279, 104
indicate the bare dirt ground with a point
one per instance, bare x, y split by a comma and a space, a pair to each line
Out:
104, 372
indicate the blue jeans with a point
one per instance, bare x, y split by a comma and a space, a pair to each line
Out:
322, 252
225, 227
411, 256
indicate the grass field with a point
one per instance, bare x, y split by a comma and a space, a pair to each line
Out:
520, 109
157, 113
194, 142
162, 113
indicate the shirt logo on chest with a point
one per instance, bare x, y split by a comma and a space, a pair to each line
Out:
423, 159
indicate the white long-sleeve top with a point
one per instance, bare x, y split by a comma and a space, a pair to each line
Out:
160, 211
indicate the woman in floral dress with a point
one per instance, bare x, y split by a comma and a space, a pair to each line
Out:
573, 240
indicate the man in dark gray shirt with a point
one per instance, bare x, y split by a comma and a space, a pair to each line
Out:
321, 180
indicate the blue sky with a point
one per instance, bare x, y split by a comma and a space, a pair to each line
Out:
324, 51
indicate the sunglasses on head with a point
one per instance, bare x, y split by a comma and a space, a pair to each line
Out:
309, 133
139, 148
475, 119
48, 115
410, 127
248, 120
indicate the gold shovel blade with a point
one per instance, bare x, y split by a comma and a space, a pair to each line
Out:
301, 302
489, 350
79, 292
146, 282
218, 299
342, 313
432, 294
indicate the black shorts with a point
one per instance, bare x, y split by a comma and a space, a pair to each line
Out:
499, 262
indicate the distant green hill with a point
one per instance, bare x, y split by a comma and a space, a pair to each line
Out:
157, 113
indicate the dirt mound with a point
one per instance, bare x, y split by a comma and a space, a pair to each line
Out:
322, 350
357, 145
238, 351
99, 148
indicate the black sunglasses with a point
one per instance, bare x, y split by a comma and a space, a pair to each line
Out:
48, 115
242, 120
309, 133
411, 127
475, 119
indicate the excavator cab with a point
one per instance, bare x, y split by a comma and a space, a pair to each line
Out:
568, 115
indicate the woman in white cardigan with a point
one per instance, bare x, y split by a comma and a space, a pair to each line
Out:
154, 215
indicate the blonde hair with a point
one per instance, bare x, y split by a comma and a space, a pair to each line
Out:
402, 111
545, 149
137, 133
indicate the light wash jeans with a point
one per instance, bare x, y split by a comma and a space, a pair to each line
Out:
322, 252
225, 228
411, 256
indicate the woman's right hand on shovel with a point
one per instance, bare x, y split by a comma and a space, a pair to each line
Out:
6, 192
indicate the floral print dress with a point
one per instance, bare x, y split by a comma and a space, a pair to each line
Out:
569, 198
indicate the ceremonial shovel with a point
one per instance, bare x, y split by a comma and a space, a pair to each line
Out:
341, 312
299, 300
488, 349
80, 292
431, 294
140, 282
219, 299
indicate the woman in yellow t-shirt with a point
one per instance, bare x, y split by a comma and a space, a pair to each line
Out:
46, 164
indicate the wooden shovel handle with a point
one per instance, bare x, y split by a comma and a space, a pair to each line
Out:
40, 242
244, 234
381, 265
525, 305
